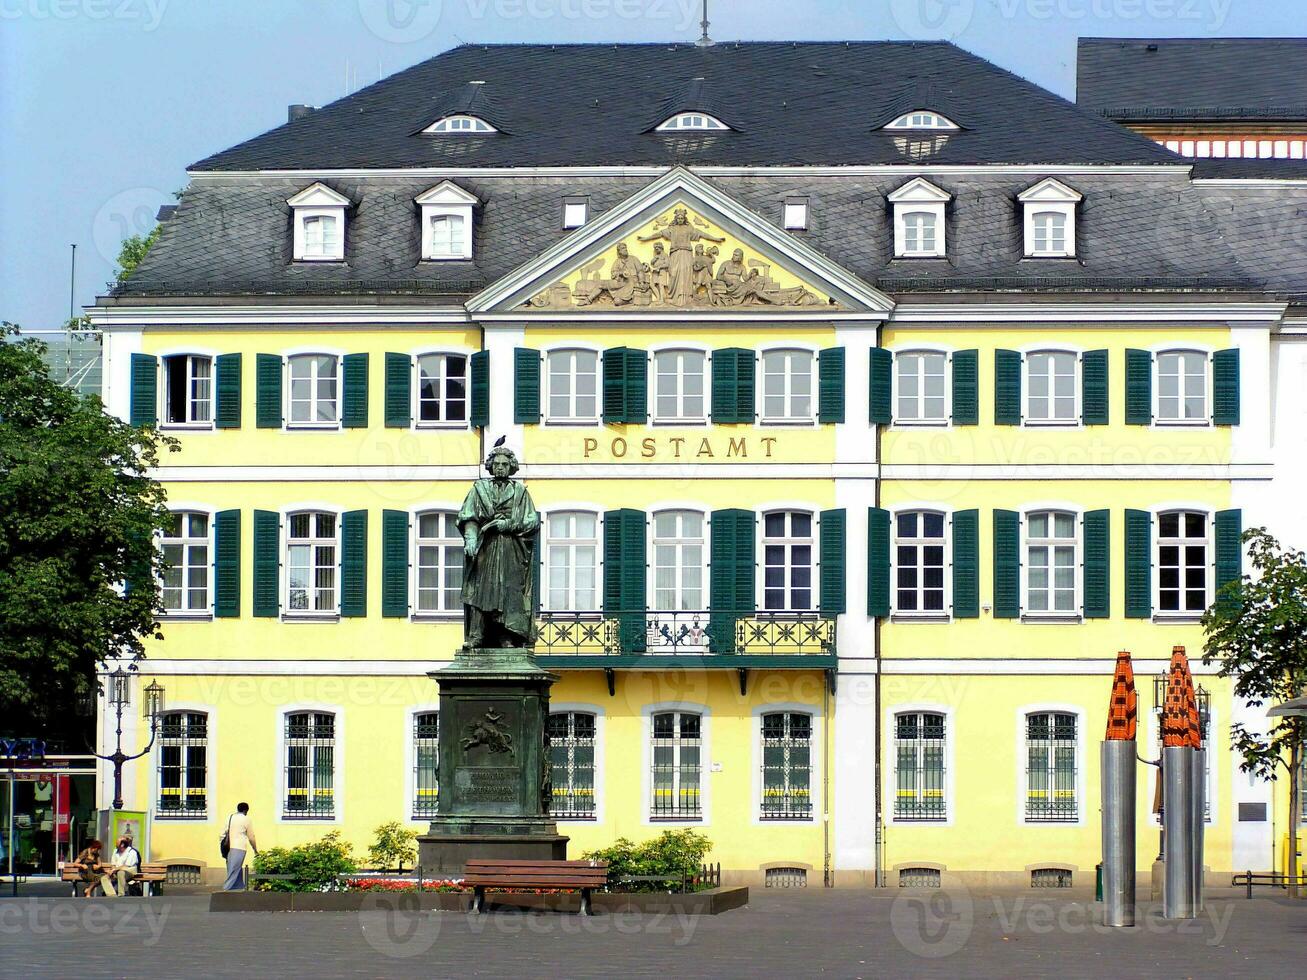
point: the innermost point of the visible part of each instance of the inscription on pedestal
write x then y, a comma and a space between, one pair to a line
485, 784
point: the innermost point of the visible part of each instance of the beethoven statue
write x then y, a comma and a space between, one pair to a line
499, 525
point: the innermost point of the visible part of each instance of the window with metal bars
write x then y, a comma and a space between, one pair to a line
572, 760
1051, 767
183, 765
1204, 699
919, 766
1050, 878
677, 766
919, 878
426, 763
310, 765
786, 766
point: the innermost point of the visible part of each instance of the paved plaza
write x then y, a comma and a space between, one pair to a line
799, 933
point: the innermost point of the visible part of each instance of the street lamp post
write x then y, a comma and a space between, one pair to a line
119, 695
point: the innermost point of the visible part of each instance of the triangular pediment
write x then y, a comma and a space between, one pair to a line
680, 245
318, 195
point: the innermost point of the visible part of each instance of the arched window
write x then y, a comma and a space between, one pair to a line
922, 386
678, 560
1051, 767
679, 386
919, 233
571, 561
310, 776
1051, 389
447, 236
311, 562
572, 762
1183, 569
1182, 386
919, 766
442, 388
922, 119
786, 766
461, 125
183, 764
788, 551
185, 546
314, 390
1052, 562
691, 121
426, 764
439, 563
787, 385
919, 562
677, 766
188, 389
573, 379
321, 237
1049, 229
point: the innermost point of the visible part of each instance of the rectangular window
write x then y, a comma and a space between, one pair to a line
183, 764
310, 766
572, 765
448, 237
677, 766
788, 550
921, 387
919, 562
442, 389
786, 766
573, 377
787, 386
1050, 233
321, 237
439, 563
919, 766
314, 394
1182, 386
1182, 562
311, 563
919, 233
426, 764
185, 546
188, 390
572, 558
1051, 387
1051, 767
679, 386
574, 213
1051, 562
678, 551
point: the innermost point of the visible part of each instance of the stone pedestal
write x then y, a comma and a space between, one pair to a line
494, 763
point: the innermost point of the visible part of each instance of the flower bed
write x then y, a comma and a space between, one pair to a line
404, 885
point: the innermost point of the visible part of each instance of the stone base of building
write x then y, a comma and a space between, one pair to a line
450, 843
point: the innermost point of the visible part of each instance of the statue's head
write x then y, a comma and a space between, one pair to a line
737, 255
502, 462
658, 248
679, 216
621, 250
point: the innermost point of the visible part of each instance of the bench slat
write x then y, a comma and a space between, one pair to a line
507, 881
508, 863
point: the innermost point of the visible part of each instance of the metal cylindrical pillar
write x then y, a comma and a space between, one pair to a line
1198, 794
1118, 775
1177, 818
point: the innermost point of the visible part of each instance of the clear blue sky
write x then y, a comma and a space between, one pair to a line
103, 103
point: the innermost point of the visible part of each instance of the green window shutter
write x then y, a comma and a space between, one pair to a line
966, 564
1138, 564
1093, 387
394, 563
399, 391
1007, 387
880, 386
966, 387
624, 575
227, 371
1007, 564
830, 385
832, 598
637, 387
227, 564
730, 575
1229, 546
1098, 574
267, 392
479, 414
1225, 387
354, 396
1138, 388
878, 523
614, 383
145, 390
732, 385
267, 563
526, 386
354, 563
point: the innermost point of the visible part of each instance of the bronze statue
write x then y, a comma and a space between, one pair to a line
680, 236
499, 525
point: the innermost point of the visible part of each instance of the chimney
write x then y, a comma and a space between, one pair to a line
294, 112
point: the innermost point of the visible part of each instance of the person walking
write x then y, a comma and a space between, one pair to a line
124, 865
240, 838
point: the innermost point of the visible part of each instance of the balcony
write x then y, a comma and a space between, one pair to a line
650, 639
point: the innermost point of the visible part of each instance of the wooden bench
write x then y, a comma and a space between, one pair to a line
147, 877
582, 876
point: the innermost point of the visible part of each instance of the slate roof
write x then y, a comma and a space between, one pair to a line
232, 236
589, 105
1209, 79
1266, 228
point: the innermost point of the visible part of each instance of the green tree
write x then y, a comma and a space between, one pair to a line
133, 251
1257, 631
393, 846
78, 512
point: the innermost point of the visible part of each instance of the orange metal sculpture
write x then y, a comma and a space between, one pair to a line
1123, 712
1180, 724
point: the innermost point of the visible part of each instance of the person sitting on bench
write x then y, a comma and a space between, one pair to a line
124, 865
88, 869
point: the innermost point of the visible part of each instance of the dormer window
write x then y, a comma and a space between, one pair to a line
576, 210
919, 220
319, 224
693, 121
1049, 210
446, 222
461, 125
795, 214
922, 119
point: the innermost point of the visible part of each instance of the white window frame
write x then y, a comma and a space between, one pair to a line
705, 764
288, 385
919, 196
1075, 613
210, 764
1156, 384
693, 121
315, 542
548, 392
416, 408
410, 755
1050, 224
446, 199
547, 543
815, 743
317, 201
460, 124
946, 542
576, 212
1049, 195
417, 543
922, 119
788, 542
1022, 761
795, 213
1209, 561
187, 542
1077, 412
189, 422
947, 417
891, 772
790, 374
706, 397
338, 770
678, 543
597, 711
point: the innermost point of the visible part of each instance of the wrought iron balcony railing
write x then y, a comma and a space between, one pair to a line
685, 633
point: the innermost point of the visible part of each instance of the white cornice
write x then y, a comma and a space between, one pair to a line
1252, 181
1102, 666
1200, 310
136, 317
689, 319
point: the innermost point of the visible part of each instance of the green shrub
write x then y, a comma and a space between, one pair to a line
393, 846
673, 853
312, 867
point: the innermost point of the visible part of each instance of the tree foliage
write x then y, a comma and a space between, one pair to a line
393, 846
78, 512
313, 867
671, 856
133, 250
